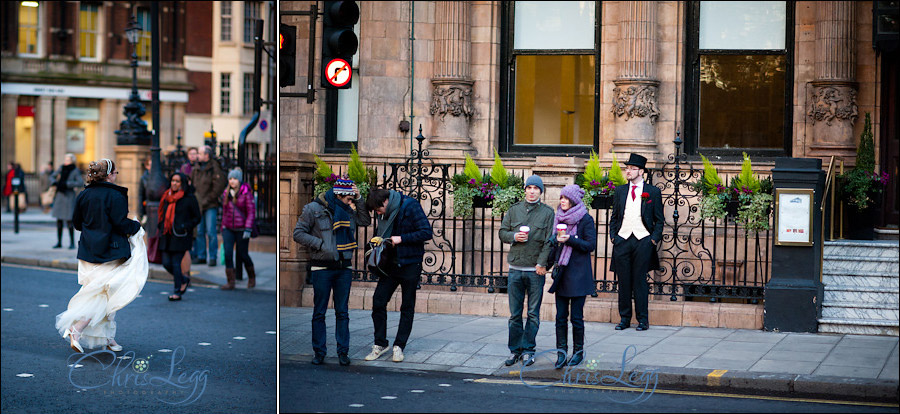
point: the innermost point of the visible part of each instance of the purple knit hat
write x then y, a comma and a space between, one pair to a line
343, 187
573, 192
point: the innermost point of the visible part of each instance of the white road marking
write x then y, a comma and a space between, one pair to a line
271, 332
239, 338
417, 391
204, 344
443, 385
24, 375
164, 350
7, 309
357, 405
389, 397
43, 305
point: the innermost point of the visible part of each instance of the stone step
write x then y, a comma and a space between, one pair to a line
861, 310
873, 280
858, 326
884, 264
888, 296
875, 248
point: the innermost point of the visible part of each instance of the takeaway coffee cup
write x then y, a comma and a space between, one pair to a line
561, 229
524, 229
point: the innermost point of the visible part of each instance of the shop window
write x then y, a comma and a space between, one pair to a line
144, 44
225, 93
89, 31
29, 28
225, 36
551, 53
251, 14
738, 87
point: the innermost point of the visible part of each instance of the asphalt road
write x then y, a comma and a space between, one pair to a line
332, 388
214, 351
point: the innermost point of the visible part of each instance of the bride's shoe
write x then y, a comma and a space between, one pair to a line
70, 333
114, 348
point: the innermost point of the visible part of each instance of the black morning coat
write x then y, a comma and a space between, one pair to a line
101, 215
651, 215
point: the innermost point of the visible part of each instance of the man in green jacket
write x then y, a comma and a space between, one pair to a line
528, 227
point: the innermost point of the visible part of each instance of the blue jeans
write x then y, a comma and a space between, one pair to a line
327, 283
518, 283
206, 232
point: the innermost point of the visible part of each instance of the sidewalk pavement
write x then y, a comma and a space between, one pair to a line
33, 246
718, 359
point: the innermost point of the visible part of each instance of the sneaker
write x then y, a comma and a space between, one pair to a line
377, 352
513, 358
528, 359
398, 354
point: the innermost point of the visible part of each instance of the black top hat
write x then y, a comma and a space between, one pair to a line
637, 161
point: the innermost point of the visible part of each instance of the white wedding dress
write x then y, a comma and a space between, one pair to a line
105, 288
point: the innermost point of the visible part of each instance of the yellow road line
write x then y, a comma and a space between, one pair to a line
713, 379
690, 393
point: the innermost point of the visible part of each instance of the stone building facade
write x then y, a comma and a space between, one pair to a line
545, 83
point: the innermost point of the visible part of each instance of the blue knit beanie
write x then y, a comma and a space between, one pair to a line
536, 181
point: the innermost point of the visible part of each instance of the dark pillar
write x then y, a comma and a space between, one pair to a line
793, 301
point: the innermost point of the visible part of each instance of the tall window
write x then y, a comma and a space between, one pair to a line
549, 101
225, 93
29, 28
248, 93
251, 13
89, 30
738, 95
226, 21
144, 41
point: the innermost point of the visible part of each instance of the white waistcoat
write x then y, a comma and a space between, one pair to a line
631, 221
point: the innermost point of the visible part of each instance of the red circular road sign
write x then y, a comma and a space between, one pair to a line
338, 72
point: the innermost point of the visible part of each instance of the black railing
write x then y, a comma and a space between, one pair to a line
699, 258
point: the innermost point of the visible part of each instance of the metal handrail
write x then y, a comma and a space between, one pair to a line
829, 190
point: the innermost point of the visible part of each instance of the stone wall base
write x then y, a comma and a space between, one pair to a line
601, 309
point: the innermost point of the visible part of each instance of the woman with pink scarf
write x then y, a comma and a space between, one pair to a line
577, 238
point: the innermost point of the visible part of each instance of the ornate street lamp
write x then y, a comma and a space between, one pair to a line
133, 129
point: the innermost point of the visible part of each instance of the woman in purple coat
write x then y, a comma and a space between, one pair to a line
238, 217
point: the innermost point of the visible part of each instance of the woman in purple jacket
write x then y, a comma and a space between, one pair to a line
238, 216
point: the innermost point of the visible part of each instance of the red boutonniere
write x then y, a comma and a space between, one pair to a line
645, 196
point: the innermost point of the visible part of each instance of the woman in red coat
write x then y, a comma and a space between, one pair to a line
238, 217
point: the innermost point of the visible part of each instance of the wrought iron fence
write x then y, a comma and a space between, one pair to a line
699, 258
260, 174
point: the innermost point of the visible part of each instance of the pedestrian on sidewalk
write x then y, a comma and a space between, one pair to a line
14, 171
67, 180
327, 227
210, 182
527, 226
635, 228
46, 173
402, 220
112, 261
577, 239
179, 213
143, 186
238, 219
187, 168
192, 160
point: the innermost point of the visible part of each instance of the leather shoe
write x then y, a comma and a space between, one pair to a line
512, 359
528, 360
560, 360
318, 360
622, 325
642, 327
344, 359
576, 359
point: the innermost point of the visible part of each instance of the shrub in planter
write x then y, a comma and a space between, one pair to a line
597, 186
862, 187
498, 190
713, 193
754, 197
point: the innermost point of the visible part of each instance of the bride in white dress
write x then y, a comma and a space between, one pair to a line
112, 261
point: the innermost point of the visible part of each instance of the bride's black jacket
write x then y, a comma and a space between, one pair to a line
101, 215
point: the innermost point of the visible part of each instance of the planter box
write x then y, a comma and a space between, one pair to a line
602, 201
482, 202
732, 207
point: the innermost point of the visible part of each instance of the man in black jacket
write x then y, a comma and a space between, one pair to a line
402, 221
636, 230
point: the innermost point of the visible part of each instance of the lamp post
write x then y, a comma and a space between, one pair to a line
133, 129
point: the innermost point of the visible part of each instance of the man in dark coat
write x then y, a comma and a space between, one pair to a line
209, 183
636, 230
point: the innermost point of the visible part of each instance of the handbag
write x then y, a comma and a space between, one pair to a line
153, 253
48, 196
381, 258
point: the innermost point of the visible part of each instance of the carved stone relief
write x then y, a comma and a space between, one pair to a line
830, 102
455, 99
635, 101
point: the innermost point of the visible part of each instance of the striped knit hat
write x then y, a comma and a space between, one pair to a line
343, 187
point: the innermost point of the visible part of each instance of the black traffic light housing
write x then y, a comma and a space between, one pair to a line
338, 39
287, 43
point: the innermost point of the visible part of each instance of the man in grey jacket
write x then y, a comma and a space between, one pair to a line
327, 227
528, 227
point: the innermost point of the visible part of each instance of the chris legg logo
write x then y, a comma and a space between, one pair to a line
643, 382
127, 375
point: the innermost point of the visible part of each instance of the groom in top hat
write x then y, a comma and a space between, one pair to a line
636, 230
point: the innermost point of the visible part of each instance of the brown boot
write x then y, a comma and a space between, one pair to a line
229, 273
251, 277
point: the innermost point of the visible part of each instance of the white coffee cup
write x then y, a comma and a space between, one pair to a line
561, 229
524, 229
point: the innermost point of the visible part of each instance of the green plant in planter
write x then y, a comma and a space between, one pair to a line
362, 176
862, 183
594, 181
508, 190
713, 193
615, 174
502, 188
755, 204
324, 177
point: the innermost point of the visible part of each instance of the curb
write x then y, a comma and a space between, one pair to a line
155, 274
695, 379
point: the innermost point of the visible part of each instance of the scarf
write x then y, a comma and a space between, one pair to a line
61, 182
570, 218
342, 213
386, 226
167, 215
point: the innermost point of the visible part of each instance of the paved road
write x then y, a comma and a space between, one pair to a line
332, 388
239, 374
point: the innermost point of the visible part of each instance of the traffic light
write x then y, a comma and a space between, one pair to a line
287, 43
339, 43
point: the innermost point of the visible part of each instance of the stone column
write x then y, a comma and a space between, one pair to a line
832, 105
451, 95
109, 122
635, 97
128, 163
295, 190
60, 103
43, 134
10, 109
